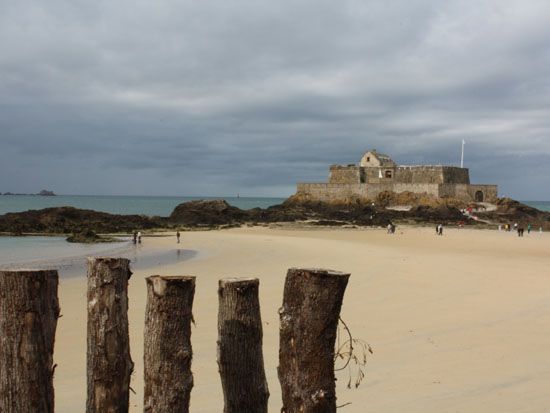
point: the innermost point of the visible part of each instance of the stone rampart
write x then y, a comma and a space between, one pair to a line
340, 174
332, 192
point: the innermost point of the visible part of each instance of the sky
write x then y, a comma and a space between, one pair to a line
216, 98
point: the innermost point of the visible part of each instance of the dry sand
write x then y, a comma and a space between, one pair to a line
459, 323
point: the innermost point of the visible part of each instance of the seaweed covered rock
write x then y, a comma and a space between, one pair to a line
207, 213
440, 213
88, 236
69, 220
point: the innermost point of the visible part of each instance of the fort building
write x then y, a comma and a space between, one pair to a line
377, 172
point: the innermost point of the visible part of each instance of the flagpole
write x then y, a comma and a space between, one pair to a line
462, 156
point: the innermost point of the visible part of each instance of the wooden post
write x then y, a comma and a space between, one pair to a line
108, 358
167, 344
240, 357
29, 309
308, 322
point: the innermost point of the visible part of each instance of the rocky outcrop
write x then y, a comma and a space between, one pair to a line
69, 220
207, 213
218, 213
88, 236
510, 211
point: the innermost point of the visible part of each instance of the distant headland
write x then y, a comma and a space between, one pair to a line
44, 192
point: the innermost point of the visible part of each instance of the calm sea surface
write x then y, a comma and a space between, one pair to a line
70, 259
542, 205
141, 205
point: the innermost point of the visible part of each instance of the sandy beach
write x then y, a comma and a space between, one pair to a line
458, 323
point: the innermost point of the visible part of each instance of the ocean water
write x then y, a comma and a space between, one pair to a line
140, 205
19, 250
542, 205
70, 259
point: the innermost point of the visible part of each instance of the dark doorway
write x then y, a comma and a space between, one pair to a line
479, 196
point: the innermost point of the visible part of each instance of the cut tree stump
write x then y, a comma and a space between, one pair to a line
29, 309
109, 364
308, 322
240, 357
167, 344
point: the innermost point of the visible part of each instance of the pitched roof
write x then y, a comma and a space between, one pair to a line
382, 157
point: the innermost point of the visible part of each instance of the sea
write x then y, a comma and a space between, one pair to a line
128, 205
70, 259
55, 252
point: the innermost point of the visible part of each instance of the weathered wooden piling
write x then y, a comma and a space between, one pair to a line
29, 309
240, 357
167, 344
308, 322
109, 364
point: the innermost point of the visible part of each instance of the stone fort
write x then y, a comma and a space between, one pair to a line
377, 173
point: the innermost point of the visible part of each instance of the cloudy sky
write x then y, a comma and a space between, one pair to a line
172, 97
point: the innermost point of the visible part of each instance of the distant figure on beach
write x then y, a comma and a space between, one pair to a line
139, 237
440, 229
135, 237
500, 227
515, 226
520, 231
178, 236
389, 228
528, 228
540, 230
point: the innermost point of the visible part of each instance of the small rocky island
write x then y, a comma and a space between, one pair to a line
44, 192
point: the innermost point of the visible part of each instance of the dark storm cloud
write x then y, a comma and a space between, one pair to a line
209, 97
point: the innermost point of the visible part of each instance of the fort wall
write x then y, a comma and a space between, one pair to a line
332, 192
432, 174
344, 174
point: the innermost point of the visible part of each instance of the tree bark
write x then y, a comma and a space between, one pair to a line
29, 310
167, 344
240, 357
308, 322
109, 364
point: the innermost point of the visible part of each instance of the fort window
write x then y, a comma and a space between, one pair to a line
479, 196
388, 174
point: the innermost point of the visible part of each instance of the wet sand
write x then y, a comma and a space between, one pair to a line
457, 323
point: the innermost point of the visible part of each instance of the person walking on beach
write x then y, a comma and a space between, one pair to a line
528, 228
178, 235
139, 237
440, 229
135, 238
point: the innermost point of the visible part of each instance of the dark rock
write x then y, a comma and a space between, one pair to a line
67, 220
207, 213
88, 236
510, 210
